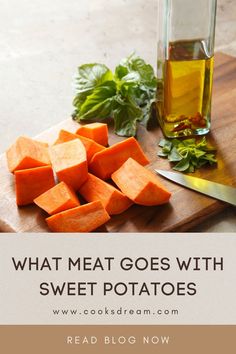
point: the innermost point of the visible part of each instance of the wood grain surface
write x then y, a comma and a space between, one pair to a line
186, 208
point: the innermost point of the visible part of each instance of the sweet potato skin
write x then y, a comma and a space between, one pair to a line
113, 200
27, 153
140, 184
59, 198
69, 162
85, 218
30, 183
105, 162
95, 131
91, 146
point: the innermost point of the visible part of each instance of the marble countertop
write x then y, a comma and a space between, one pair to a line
43, 42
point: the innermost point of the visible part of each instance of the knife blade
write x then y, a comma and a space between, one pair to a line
215, 190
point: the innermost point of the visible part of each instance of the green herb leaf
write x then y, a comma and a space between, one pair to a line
138, 65
128, 96
149, 118
91, 76
135, 71
211, 158
174, 155
167, 146
99, 104
182, 165
120, 72
162, 142
189, 154
88, 78
162, 154
126, 114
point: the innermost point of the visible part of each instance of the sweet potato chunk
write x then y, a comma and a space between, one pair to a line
69, 162
112, 199
59, 198
27, 153
95, 131
30, 183
140, 184
105, 162
84, 218
91, 146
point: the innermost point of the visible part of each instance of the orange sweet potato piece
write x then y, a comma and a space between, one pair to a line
65, 136
27, 153
140, 184
114, 201
69, 161
91, 146
59, 198
30, 183
95, 131
84, 218
107, 161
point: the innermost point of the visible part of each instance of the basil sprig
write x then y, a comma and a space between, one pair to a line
127, 95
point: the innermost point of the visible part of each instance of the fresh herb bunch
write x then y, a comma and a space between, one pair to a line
187, 154
127, 95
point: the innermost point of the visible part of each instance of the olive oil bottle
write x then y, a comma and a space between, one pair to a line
184, 104
186, 32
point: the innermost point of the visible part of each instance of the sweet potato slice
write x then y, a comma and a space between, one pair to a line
84, 218
95, 131
27, 153
69, 162
140, 184
59, 198
30, 183
114, 201
105, 162
91, 146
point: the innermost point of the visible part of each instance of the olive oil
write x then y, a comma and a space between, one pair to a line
184, 93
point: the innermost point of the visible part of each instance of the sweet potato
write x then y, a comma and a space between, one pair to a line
30, 183
65, 136
112, 199
91, 146
95, 131
84, 218
140, 184
105, 162
59, 198
27, 153
69, 162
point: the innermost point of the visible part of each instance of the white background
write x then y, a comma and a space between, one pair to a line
21, 302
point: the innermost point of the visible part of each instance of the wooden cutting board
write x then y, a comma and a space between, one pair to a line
186, 208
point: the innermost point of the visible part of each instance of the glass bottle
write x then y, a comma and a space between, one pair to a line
186, 34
